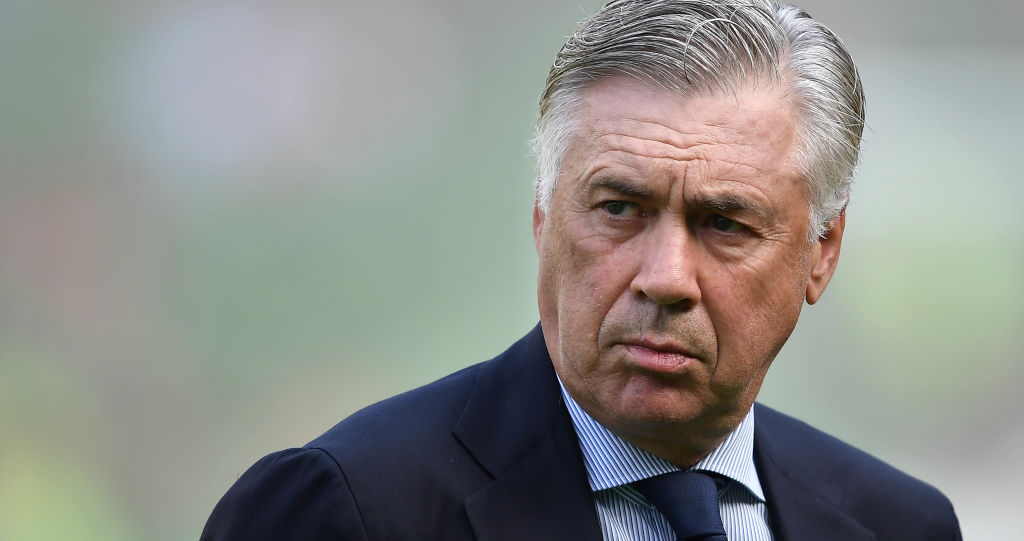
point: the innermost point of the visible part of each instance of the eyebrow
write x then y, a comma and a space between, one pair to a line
728, 202
718, 202
621, 186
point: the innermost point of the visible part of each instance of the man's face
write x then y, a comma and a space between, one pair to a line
674, 258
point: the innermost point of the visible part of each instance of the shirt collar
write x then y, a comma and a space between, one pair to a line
612, 461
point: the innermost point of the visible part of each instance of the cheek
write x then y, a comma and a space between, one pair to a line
588, 289
775, 277
754, 308
594, 270
593, 277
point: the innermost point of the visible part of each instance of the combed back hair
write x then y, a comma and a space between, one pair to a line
704, 47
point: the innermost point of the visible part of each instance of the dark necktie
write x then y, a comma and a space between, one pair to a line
689, 500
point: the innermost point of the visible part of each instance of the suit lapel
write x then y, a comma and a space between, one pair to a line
798, 509
535, 499
516, 426
797, 514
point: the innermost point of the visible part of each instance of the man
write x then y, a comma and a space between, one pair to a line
694, 163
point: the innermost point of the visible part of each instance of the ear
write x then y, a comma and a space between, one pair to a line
824, 257
538, 224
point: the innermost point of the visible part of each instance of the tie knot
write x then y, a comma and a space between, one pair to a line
689, 501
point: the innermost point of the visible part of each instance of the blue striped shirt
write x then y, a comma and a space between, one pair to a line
625, 515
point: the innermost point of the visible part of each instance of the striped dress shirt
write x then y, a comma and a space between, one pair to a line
625, 515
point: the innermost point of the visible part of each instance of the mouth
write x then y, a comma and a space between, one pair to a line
660, 357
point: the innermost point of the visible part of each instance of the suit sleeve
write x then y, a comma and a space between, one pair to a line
291, 494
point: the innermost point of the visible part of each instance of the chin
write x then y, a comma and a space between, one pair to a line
664, 409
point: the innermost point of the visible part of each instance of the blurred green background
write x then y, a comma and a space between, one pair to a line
225, 226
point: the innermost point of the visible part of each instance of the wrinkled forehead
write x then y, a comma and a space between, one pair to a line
755, 122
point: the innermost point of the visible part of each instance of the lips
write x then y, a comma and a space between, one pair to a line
658, 356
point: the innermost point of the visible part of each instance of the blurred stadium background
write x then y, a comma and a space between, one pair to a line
226, 225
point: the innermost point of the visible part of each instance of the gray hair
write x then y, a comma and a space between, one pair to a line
694, 47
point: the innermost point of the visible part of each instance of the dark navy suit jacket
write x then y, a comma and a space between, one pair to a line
489, 453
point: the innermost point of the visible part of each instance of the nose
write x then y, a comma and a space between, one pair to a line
667, 271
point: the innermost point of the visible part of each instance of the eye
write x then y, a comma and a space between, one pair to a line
623, 209
725, 225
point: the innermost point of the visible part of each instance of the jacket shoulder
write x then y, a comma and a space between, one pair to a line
405, 467
382, 462
290, 494
888, 501
396, 423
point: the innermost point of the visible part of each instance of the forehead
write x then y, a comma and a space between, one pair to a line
752, 132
